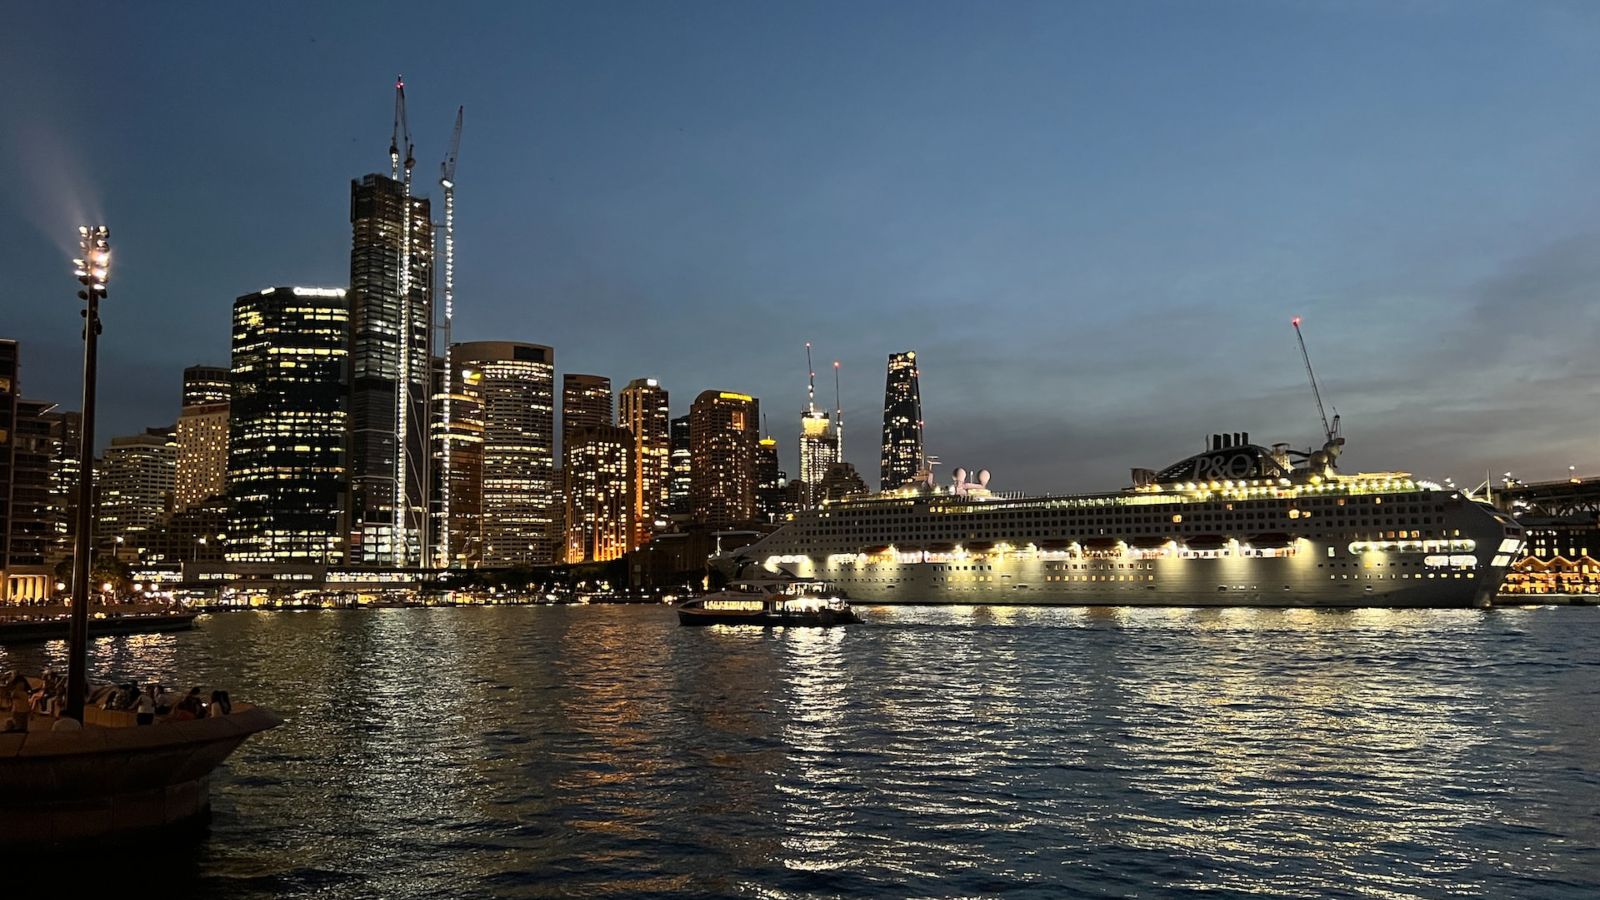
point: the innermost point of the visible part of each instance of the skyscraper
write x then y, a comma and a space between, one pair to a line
65, 439
286, 434
458, 464
515, 385
26, 450
644, 412
819, 449
10, 396
769, 482
390, 346
205, 385
585, 402
597, 470
902, 421
680, 464
202, 454
134, 487
722, 439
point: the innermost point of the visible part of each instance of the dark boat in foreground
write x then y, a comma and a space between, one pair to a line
769, 603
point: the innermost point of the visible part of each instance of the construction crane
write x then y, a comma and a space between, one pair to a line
1330, 432
447, 181
838, 409
401, 526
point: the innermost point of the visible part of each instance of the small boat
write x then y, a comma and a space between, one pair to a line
768, 603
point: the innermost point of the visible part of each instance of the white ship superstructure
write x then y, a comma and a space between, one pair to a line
1236, 525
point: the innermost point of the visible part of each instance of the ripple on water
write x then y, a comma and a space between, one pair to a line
940, 752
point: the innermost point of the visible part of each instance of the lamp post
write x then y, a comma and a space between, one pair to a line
93, 270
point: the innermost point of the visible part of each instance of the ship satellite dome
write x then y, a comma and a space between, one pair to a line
961, 476
983, 478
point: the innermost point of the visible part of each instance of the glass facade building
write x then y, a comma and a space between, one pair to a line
287, 430
902, 422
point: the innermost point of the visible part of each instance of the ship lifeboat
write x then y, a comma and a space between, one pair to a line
874, 549
941, 548
1272, 540
1100, 544
1147, 542
980, 546
1055, 545
1206, 542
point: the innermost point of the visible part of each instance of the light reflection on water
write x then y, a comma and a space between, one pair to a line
934, 751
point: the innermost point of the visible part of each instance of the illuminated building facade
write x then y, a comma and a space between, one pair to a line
819, 449
206, 386
598, 498
902, 422
202, 434
65, 440
644, 412
723, 441
514, 385
458, 533
390, 362
26, 451
769, 482
680, 466
585, 403
134, 488
287, 429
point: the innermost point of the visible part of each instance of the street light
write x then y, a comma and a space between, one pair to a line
93, 271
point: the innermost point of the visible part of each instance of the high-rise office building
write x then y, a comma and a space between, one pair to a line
202, 454
65, 443
390, 362
206, 385
585, 402
597, 468
645, 413
819, 449
26, 451
722, 439
902, 422
769, 482
514, 384
287, 430
680, 465
134, 486
458, 464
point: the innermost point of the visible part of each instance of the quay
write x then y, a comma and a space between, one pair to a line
52, 623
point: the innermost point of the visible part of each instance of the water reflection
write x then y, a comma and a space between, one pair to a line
939, 751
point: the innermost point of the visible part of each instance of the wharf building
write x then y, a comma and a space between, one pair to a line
511, 520
134, 490
598, 467
723, 444
680, 467
287, 432
390, 364
26, 451
902, 422
645, 413
202, 434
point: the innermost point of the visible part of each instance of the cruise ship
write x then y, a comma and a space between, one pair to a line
1238, 524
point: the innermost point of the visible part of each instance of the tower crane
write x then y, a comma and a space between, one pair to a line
1330, 431
447, 181
401, 526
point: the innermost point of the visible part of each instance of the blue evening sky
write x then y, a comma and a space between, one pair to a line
1093, 221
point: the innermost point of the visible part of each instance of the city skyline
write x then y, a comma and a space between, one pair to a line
1097, 223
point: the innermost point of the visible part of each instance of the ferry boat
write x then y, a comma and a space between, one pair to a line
1238, 524
769, 602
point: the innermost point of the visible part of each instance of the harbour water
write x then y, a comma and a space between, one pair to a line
943, 751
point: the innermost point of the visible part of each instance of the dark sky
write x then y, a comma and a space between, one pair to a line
1093, 221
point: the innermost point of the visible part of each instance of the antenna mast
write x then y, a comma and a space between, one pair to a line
1331, 432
